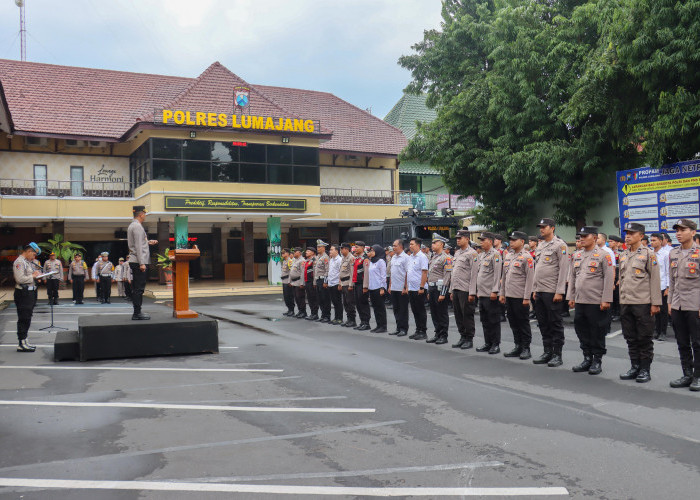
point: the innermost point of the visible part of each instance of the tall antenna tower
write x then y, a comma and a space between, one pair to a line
22, 30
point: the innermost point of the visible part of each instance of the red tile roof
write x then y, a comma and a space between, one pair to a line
71, 101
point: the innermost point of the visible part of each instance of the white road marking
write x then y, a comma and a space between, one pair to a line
613, 334
155, 406
227, 347
347, 473
138, 369
74, 484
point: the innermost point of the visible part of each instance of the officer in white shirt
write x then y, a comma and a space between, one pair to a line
661, 319
399, 288
333, 282
417, 281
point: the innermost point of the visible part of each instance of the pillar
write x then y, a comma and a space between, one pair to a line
274, 251
248, 249
217, 253
333, 233
59, 227
163, 231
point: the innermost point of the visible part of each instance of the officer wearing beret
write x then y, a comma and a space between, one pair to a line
684, 302
346, 285
439, 273
139, 259
640, 300
296, 279
464, 269
25, 272
515, 293
321, 277
53, 265
287, 290
590, 291
551, 271
486, 288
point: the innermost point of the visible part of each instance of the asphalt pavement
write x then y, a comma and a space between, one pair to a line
297, 409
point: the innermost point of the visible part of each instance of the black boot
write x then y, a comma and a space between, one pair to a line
644, 374
442, 339
526, 353
585, 364
468, 344
25, 346
495, 349
350, 324
459, 343
632, 372
313, 317
695, 384
544, 359
483, 348
420, 336
514, 353
596, 365
433, 340
556, 358
685, 380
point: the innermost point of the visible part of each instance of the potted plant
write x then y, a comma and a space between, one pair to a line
64, 250
166, 267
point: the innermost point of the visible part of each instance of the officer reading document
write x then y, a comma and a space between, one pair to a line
25, 272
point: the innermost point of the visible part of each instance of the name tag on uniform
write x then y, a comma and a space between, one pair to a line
487, 263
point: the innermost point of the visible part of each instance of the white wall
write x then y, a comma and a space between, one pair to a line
356, 178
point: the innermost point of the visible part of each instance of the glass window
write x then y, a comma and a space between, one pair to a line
166, 170
305, 156
306, 175
76, 181
196, 150
279, 154
252, 173
225, 172
197, 170
40, 180
279, 174
167, 149
224, 151
253, 153
409, 182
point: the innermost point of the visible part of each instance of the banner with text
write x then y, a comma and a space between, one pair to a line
234, 204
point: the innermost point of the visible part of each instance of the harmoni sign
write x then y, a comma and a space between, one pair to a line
234, 204
240, 122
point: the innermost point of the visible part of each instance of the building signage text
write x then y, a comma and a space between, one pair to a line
106, 175
240, 122
233, 204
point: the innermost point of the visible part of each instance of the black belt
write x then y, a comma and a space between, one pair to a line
26, 287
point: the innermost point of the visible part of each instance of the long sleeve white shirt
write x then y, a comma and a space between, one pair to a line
377, 274
662, 259
334, 270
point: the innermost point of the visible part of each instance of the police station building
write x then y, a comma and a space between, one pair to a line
253, 167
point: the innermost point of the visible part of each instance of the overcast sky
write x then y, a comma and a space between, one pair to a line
347, 47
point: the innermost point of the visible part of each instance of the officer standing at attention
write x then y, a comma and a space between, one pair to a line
616, 247
296, 280
389, 252
640, 300
360, 269
684, 303
321, 277
551, 272
333, 283
515, 293
139, 258
287, 290
346, 286
104, 276
590, 292
398, 288
417, 278
127, 277
53, 281
119, 277
486, 287
76, 275
310, 283
25, 271
464, 269
93, 271
439, 272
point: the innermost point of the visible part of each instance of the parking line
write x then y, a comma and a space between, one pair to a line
74, 484
138, 369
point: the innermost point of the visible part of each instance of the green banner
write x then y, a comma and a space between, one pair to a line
234, 204
181, 232
274, 251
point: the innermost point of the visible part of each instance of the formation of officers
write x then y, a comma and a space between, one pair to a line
344, 281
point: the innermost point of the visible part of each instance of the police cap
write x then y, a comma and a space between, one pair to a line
313, 249
615, 237
518, 235
321, 243
533, 238
360, 243
346, 245
33, 246
437, 237
462, 233
136, 209
546, 222
635, 227
685, 223
487, 235
587, 230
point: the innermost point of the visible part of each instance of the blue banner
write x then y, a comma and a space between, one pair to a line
658, 197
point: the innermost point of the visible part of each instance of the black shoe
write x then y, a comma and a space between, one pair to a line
81, 302
484, 348
584, 366
616, 318
395, 332
460, 343
495, 349
544, 359
432, 340
526, 353
632, 373
313, 317
661, 338
299, 315
514, 353
325, 320
380, 330
413, 337
503, 319
643, 376
684, 381
363, 327
337, 322
420, 336
596, 366
374, 330
140, 316
402, 333
286, 313
350, 324
25, 346
555, 360
468, 344
695, 384
441, 340
532, 315
108, 301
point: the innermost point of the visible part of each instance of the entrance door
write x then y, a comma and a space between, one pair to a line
40, 180
76, 181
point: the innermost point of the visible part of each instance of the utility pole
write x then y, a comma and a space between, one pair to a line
22, 30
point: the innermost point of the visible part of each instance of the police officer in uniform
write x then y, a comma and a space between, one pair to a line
321, 277
464, 269
684, 303
439, 271
296, 279
76, 275
53, 281
590, 292
361, 268
310, 283
640, 300
25, 271
616, 246
139, 259
551, 272
346, 285
486, 287
287, 290
515, 293
104, 275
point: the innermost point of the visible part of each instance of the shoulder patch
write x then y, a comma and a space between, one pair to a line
496, 259
609, 259
563, 249
654, 262
476, 257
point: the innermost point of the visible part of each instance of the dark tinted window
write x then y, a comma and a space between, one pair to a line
166, 148
196, 150
252, 173
305, 156
225, 172
224, 151
279, 174
279, 154
253, 153
166, 170
197, 170
306, 176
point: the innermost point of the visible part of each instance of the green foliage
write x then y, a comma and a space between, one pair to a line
164, 262
543, 100
64, 250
